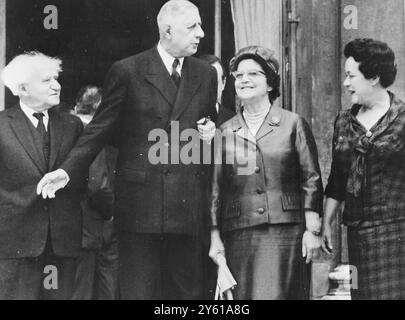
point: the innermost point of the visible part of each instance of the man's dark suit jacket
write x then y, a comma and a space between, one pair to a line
24, 216
224, 114
140, 96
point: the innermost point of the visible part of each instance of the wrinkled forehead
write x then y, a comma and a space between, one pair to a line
187, 16
42, 71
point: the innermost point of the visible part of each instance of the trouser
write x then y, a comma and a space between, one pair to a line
47, 277
154, 266
97, 273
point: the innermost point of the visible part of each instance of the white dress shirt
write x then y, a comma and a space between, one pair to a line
30, 115
168, 59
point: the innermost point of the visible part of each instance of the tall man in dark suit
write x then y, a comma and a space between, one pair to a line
159, 206
39, 239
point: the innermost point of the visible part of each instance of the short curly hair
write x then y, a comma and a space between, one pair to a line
376, 59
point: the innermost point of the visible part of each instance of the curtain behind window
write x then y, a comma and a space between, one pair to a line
257, 22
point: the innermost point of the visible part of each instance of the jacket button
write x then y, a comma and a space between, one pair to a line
260, 211
257, 170
167, 144
259, 191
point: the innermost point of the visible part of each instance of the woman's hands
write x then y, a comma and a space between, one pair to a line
327, 238
311, 240
310, 246
216, 247
332, 206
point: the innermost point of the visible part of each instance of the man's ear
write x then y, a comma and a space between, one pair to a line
167, 31
22, 88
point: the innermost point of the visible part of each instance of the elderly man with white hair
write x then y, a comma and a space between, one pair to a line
39, 239
159, 207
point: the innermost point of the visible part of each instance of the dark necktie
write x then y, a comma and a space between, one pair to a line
43, 134
41, 127
175, 75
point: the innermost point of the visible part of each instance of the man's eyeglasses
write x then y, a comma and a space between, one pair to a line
251, 74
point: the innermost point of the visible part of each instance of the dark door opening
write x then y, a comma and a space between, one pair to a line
92, 34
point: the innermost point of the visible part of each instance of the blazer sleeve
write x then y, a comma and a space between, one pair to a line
310, 173
98, 132
335, 188
216, 190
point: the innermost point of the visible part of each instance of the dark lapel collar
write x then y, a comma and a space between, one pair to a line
241, 129
19, 125
272, 121
190, 82
158, 76
56, 131
392, 114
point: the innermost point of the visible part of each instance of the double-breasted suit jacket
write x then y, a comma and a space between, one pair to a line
267, 179
139, 99
25, 218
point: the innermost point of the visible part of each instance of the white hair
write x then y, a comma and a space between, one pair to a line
170, 11
21, 69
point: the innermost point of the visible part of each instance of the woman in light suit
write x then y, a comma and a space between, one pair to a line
266, 196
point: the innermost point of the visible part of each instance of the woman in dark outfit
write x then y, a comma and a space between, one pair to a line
268, 210
368, 173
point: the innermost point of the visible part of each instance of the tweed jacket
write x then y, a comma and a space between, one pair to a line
140, 99
25, 218
268, 179
368, 167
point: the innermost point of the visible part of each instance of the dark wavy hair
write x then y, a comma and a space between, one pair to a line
266, 59
376, 59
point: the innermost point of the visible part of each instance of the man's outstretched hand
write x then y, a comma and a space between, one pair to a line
52, 182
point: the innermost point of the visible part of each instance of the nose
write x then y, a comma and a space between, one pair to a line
245, 77
200, 32
346, 83
55, 85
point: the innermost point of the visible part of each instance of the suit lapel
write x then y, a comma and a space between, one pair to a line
391, 115
271, 122
19, 125
241, 129
56, 130
158, 77
190, 82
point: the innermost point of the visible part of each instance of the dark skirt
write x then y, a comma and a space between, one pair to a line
377, 259
267, 262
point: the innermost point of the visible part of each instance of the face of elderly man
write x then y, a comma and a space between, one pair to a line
185, 32
42, 92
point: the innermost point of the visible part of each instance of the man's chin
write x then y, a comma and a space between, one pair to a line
53, 103
192, 51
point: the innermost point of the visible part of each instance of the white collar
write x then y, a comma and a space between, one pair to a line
168, 59
29, 113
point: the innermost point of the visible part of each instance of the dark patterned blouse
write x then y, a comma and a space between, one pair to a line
368, 167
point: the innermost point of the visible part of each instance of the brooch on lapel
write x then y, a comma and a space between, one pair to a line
274, 121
